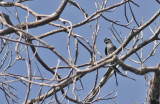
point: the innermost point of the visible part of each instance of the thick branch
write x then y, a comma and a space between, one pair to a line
139, 71
154, 89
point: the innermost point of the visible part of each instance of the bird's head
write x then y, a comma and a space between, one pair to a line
107, 40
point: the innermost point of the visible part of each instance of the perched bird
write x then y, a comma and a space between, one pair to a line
110, 48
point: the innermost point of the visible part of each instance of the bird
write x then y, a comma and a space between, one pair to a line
109, 49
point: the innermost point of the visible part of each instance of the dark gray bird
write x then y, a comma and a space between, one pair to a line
110, 48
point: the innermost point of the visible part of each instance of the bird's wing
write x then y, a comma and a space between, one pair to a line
115, 48
106, 51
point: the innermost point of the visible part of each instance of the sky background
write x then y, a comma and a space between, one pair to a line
129, 91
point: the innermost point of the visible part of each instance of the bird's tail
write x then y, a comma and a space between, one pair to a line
116, 70
116, 77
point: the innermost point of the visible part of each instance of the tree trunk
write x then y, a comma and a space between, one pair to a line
154, 89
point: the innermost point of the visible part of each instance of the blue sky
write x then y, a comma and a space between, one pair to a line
129, 91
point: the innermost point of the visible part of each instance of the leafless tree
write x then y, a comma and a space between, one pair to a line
55, 79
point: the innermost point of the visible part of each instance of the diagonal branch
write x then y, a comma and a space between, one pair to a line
41, 22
